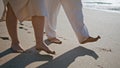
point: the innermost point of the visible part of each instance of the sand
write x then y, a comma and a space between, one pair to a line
70, 54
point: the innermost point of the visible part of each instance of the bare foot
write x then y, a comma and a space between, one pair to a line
55, 40
44, 48
91, 39
16, 48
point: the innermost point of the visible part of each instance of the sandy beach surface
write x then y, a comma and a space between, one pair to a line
70, 54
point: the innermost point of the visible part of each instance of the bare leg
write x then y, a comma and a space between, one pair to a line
11, 23
38, 25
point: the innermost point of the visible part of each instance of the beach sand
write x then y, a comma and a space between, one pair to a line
70, 54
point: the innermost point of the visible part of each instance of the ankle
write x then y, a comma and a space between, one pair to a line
39, 45
15, 43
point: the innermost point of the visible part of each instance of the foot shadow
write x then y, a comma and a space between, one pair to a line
2, 20
4, 38
67, 58
24, 59
47, 42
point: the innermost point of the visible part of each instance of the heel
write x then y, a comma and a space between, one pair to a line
47, 51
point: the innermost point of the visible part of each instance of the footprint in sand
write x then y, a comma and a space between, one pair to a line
20, 27
4, 38
26, 25
106, 50
1, 20
99, 66
62, 38
28, 32
23, 28
21, 24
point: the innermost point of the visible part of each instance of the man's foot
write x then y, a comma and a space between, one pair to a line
43, 47
16, 48
55, 40
91, 39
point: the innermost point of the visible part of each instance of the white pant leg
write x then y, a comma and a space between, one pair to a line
73, 10
51, 22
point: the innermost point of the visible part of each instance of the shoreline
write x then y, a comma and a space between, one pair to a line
103, 10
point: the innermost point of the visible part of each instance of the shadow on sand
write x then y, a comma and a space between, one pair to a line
62, 61
67, 58
24, 59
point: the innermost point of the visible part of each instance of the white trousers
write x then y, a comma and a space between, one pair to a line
73, 10
53, 7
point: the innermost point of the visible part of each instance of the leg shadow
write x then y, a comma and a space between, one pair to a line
24, 59
6, 52
67, 58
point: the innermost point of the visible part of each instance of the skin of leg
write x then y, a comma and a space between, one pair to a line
38, 25
11, 23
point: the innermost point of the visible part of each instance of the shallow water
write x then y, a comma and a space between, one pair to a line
107, 5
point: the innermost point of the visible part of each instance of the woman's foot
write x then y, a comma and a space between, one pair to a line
91, 39
16, 48
55, 40
44, 48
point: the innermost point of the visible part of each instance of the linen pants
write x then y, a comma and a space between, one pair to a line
53, 7
73, 10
